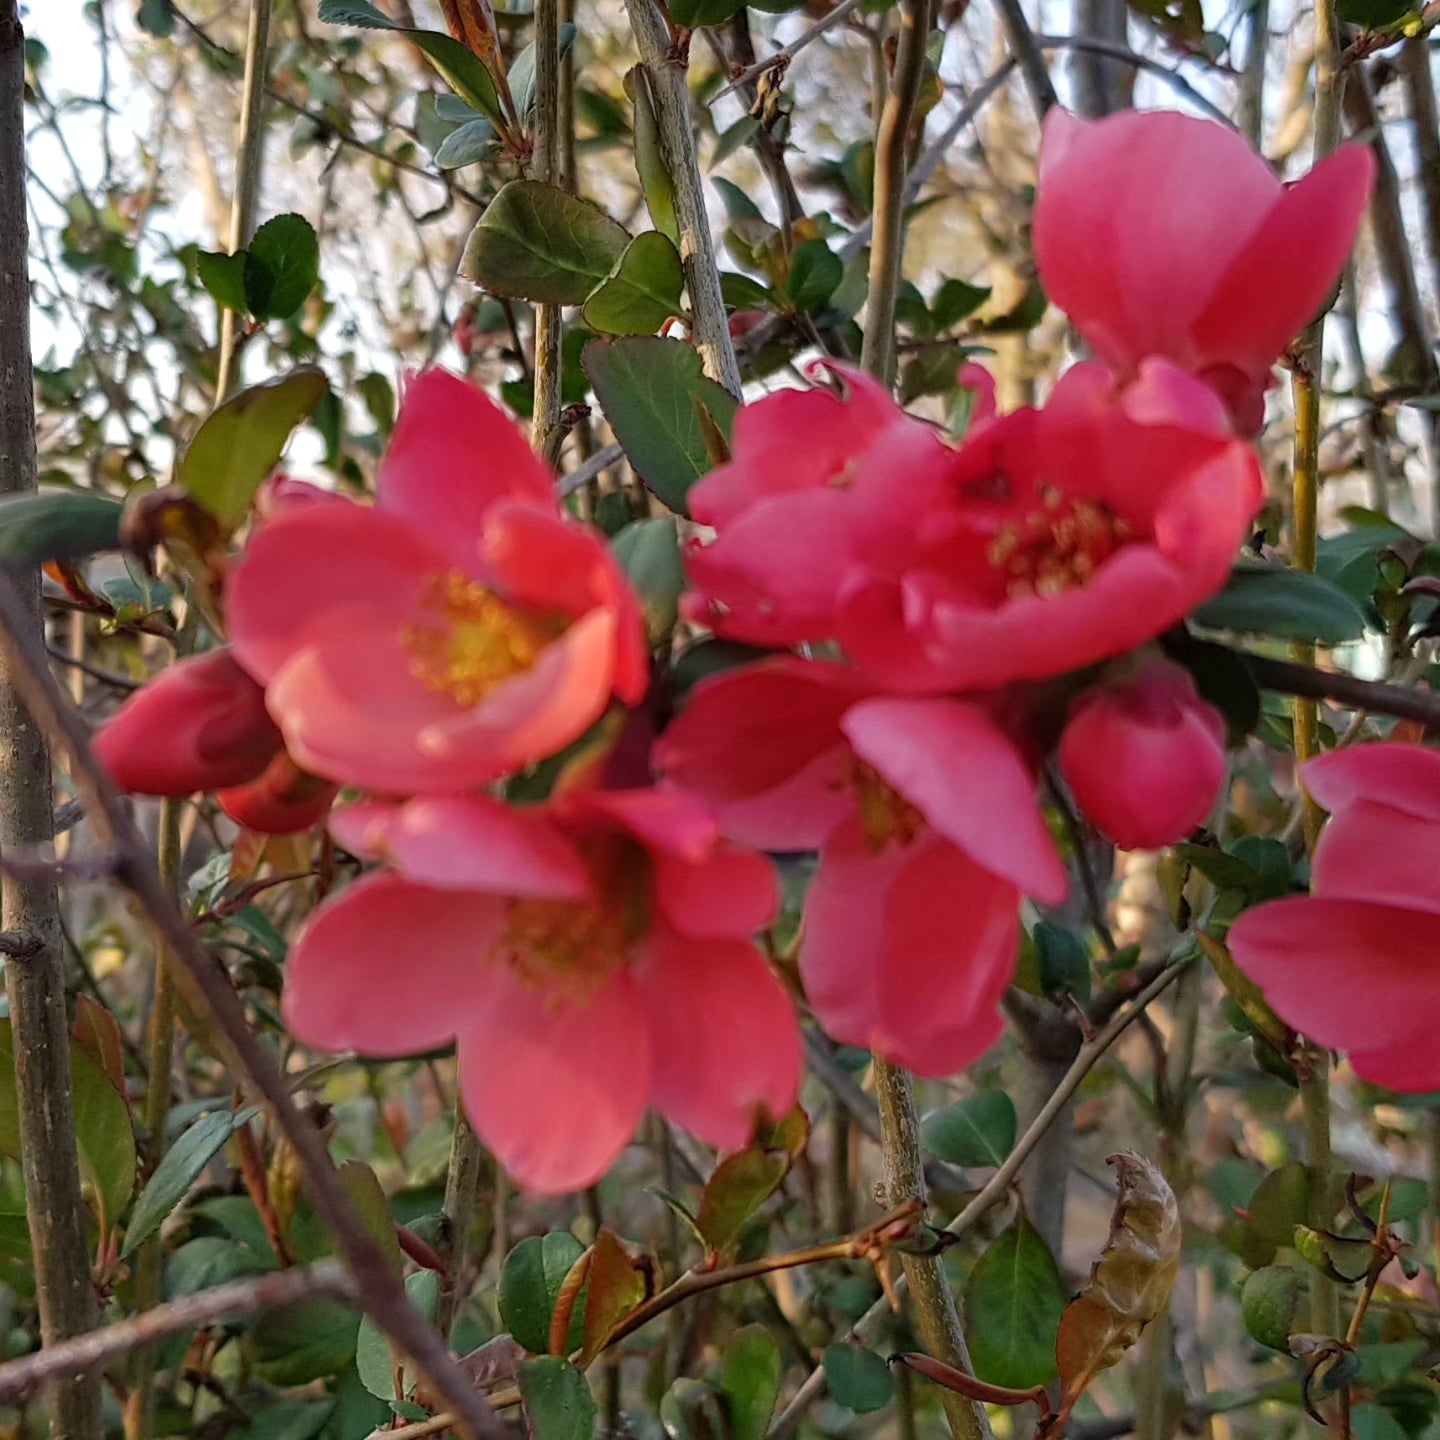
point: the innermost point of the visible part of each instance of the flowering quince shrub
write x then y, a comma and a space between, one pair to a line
736, 868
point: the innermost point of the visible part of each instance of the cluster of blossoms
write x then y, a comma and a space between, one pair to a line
945, 617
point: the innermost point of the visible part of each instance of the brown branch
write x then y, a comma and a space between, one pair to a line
205, 985
1285, 677
892, 146
1028, 56
30, 906
87, 1352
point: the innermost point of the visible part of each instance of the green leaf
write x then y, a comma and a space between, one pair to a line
1280, 1204
730, 140
368, 1196
741, 1184
287, 1420
655, 182
693, 14
1374, 14
177, 1171
298, 1344
156, 17
521, 75
58, 525
223, 277
815, 274
649, 554
979, 1130
1269, 1302
858, 1378
237, 446
641, 292
530, 1282
955, 301
1375, 1422
557, 1399
651, 391
469, 144
535, 242
1064, 964
750, 1381
458, 65
374, 1358
281, 267
1013, 1303
1289, 604
103, 1132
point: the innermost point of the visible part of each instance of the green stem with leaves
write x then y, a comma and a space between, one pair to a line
544, 434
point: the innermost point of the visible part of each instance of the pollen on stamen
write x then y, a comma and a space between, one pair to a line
467, 640
1057, 547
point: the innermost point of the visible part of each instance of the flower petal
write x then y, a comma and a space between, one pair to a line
454, 453
389, 968
467, 842
299, 569
731, 894
954, 763
1370, 851
1276, 285
1349, 974
726, 1046
1406, 777
557, 1087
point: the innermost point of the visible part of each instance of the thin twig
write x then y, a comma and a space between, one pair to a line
85, 1353
204, 985
249, 156
546, 410
677, 149
999, 1184
786, 53
892, 146
1027, 53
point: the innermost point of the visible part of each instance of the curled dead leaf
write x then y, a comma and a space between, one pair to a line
1130, 1284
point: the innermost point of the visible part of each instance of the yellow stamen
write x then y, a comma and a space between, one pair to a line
468, 640
1057, 547
885, 814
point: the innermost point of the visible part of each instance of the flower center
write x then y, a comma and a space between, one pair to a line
570, 947
1057, 547
885, 814
466, 640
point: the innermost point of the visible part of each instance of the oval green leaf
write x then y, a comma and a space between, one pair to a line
237, 445
652, 392
281, 267
750, 1381
530, 1282
1013, 1303
1289, 604
557, 1399
979, 1130
180, 1168
649, 554
535, 242
641, 292
103, 1132
58, 525
655, 182
858, 1378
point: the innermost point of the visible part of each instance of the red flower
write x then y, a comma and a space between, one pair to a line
591, 959
924, 814
1162, 234
202, 725
1144, 756
1356, 964
457, 632
1067, 535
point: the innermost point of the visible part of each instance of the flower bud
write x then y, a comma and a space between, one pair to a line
201, 725
282, 801
1144, 756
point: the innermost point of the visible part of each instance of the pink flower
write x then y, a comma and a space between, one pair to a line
816, 483
1161, 234
1066, 536
924, 814
591, 959
281, 800
200, 725
1144, 756
458, 631
1356, 964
